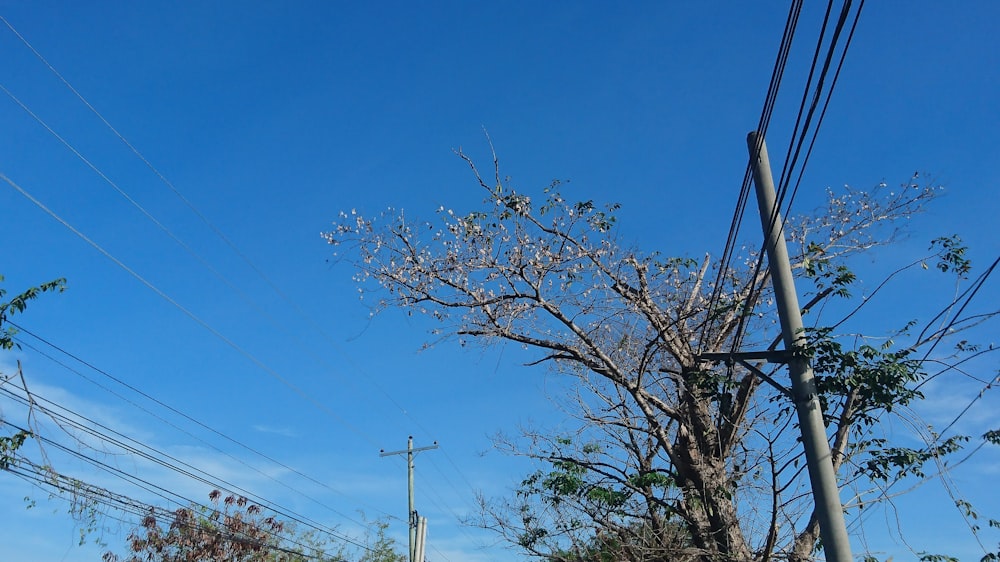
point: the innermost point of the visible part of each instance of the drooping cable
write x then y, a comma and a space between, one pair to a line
798, 137
242, 351
756, 282
46, 479
204, 219
70, 419
777, 73
200, 424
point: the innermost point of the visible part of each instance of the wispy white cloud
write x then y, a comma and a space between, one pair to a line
282, 431
946, 400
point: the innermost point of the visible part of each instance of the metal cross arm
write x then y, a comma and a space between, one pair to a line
742, 359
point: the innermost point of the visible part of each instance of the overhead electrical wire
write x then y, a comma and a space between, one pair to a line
242, 255
800, 132
755, 287
800, 128
120, 191
756, 284
31, 198
132, 403
302, 313
935, 338
931, 438
777, 74
440, 502
141, 157
256, 361
818, 95
70, 419
139, 450
25, 193
45, 479
966, 299
788, 172
265, 503
272, 321
115, 260
160, 225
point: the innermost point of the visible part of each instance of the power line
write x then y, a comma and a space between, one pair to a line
817, 96
966, 298
202, 261
798, 137
138, 154
188, 418
777, 74
315, 325
119, 381
939, 335
151, 218
264, 367
754, 287
201, 216
441, 503
185, 246
789, 162
136, 449
44, 478
930, 438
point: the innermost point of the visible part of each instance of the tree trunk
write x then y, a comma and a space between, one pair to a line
708, 504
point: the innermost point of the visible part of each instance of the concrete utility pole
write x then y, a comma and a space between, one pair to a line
829, 510
413, 518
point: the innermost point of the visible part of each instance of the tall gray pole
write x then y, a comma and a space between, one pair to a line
412, 518
829, 510
412, 512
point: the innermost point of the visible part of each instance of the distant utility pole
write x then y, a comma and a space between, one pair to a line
829, 510
413, 519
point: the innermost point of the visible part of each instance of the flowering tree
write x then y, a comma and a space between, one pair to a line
666, 439
233, 529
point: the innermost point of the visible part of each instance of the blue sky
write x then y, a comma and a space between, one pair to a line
271, 119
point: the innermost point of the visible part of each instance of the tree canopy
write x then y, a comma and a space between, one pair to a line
234, 529
667, 441
230, 528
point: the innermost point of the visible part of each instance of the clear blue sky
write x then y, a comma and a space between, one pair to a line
270, 119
